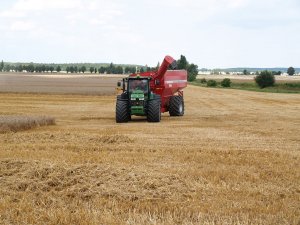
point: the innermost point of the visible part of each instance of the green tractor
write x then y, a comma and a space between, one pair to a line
137, 99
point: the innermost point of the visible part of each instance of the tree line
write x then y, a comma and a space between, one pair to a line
182, 63
111, 68
30, 68
46, 68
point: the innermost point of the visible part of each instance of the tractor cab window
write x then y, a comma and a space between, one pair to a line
138, 85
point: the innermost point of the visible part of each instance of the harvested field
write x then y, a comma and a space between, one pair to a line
10, 123
234, 158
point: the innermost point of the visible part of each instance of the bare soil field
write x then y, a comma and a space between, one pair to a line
234, 158
59, 84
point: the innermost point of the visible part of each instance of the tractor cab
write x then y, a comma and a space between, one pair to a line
135, 84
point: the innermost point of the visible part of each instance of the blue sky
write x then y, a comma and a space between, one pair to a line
212, 34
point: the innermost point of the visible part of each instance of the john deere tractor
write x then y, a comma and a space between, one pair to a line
137, 99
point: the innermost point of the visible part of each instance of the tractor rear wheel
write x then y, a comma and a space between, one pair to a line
176, 106
154, 113
122, 111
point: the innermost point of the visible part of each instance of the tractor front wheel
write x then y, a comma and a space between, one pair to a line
122, 111
154, 113
176, 106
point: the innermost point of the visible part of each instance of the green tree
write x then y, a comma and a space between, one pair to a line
192, 70
13, 68
211, 83
7, 68
30, 68
72, 69
43, 68
58, 69
1, 66
68, 69
118, 70
102, 70
291, 71
203, 81
127, 70
38, 69
182, 63
130, 69
92, 69
19, 68
111, 69
276, 72
83, 69
265, 79
226, 82
246, 72
51, 68
95, 70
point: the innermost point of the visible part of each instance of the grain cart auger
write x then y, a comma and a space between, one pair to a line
152, 93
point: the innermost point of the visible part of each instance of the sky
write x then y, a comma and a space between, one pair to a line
210, 33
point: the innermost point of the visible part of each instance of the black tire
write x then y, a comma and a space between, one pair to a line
176, 106
154, 113
122, 111
122, 96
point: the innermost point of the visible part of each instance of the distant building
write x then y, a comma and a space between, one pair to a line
204, 72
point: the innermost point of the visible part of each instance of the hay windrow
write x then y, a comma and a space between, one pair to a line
15, 123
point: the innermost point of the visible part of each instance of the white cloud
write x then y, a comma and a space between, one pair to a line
202, 8
22, 26
12, 14
42, 5
95, 21
49, 15
25, 8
